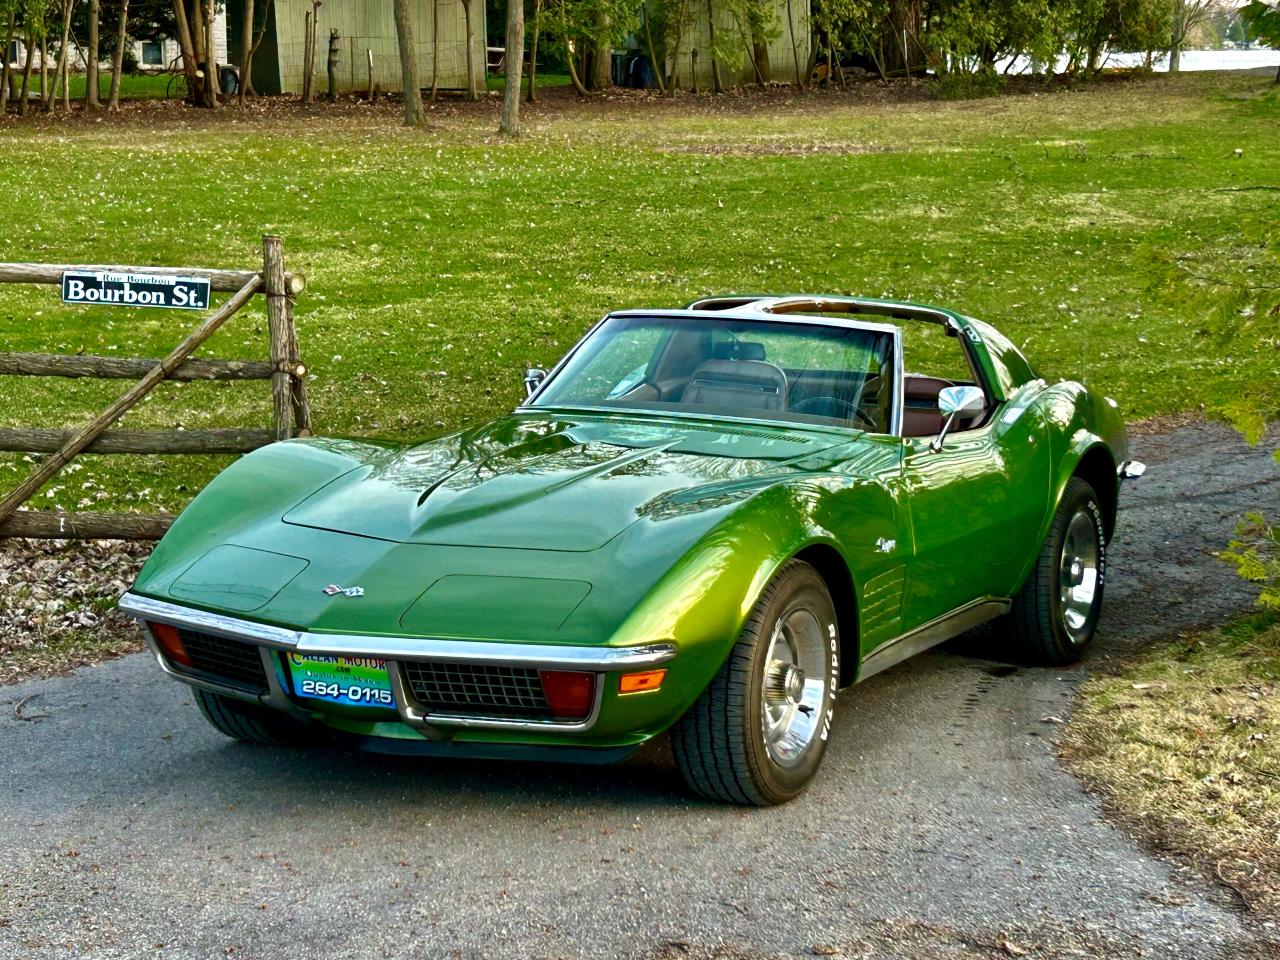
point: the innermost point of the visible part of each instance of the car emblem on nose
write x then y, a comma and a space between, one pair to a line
332, 590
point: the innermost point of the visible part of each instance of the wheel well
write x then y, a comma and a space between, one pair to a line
835, 572
1098, 469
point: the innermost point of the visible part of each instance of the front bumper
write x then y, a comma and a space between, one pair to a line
270, 641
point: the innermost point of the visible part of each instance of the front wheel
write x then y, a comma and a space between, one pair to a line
759, 731
1055, 614
249, 721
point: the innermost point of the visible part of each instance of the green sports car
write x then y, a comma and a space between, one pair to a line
705, 521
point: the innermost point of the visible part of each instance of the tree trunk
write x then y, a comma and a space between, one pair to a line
61, 69
533, 51
331, 64
1175, 57
601, 76
24, 92
653, 60
117, 59
306, 56
246, 49
5, 70
473, 91
435, 47
91, 58
44, 61
510, 121
210, 57
759, 54
186, 43
795, 51
412, 94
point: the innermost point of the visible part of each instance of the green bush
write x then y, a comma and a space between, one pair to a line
1255, 553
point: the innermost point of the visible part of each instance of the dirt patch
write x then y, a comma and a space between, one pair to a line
57, 604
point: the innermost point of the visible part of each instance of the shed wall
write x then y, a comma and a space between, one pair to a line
738, 71
370, 25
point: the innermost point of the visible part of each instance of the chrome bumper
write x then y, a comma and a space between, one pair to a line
435, 726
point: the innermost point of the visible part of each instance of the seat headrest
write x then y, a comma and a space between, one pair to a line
738, 350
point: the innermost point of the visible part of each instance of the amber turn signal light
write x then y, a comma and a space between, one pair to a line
170, 643
569, 694
643, 682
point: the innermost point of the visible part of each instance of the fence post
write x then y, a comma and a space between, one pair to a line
278, 326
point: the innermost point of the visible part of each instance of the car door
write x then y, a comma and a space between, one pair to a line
975, 509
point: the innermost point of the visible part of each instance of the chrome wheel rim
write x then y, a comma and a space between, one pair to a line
1078, 576
794, 687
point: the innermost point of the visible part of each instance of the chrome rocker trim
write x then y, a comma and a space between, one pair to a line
435, 726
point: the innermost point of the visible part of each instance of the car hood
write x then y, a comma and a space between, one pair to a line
553, 483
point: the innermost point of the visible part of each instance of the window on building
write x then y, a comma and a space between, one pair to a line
153, 53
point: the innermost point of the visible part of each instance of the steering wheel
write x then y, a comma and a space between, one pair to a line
835, 407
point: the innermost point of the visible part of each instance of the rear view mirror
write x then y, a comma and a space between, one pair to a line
953, 402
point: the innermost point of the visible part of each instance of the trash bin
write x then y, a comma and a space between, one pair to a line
229, 80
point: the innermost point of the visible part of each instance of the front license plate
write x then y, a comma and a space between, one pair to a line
351, 681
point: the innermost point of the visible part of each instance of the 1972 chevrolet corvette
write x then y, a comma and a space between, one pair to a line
707, 520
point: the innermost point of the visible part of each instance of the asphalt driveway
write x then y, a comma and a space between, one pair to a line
942, 824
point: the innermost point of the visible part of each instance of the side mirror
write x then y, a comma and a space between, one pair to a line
533, 378
956, 402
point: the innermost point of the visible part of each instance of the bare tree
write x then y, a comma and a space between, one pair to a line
187, 38
1187, 15
412, 95
510, 121
91, 58
117, 59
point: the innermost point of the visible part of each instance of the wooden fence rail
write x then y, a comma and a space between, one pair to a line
290, 408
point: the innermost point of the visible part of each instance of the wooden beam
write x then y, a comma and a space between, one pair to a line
86, 525
223, 281
88, 433
276, 289
232, 440
127, 368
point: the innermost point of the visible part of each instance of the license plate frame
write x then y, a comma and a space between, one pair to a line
339, 680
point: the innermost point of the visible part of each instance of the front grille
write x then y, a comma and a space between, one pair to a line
478, 690
231, 661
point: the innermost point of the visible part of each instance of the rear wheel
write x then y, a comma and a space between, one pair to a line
1055, 614
249, 722
759, 731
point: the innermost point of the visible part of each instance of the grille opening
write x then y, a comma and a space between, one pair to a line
472, 689
227, 661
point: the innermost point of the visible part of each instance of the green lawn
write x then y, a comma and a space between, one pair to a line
136, 86
440, 262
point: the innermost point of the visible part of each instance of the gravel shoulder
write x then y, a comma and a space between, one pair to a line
942, 824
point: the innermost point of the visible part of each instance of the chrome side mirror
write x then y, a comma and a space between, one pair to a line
533, 378
956, 402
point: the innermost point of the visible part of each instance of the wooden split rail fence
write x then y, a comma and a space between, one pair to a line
291, 413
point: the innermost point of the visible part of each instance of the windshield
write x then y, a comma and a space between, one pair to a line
786, 371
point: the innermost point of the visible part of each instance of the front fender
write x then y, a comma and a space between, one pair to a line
703, 601
258, 488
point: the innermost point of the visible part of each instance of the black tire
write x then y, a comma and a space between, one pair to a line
1043, 627
249, 722
720, 743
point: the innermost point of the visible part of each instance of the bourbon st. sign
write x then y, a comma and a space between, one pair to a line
135, 290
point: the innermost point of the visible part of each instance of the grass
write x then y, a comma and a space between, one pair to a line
1183, 742
133, 86
440, 262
